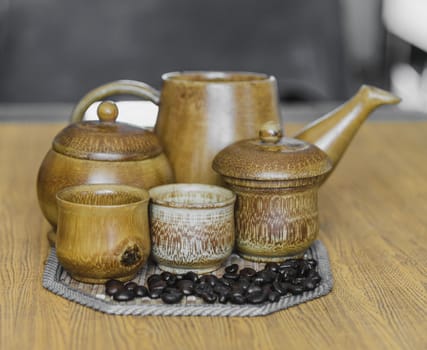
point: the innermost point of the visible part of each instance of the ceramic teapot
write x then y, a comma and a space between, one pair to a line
100, 152
200, 113
276, 179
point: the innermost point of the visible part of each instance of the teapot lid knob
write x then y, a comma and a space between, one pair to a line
270, 132
107, 111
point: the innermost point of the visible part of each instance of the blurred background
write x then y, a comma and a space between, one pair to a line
54, 51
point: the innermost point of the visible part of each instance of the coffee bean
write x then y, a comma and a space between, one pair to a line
131, 286
257, 279
247, 272
210, 279
113, 286
311, 263
288, 274
267, 288
141, 292
232, 268
308, 285
221, 289
298, 280
277, 286
223, 298
272, 266
244, 283
153, 278
314, 276
290, 263
273, 296
202, 288
231, 276
170, 278
185, 286
236, 291
171, 289
191, 276
225, 281
157, 286
254, 288
208, 297
172, 297
296, 289
237, 299
279, 277
257, 298
124, 295
269, 275
263, 277
281, 287
155, 294
304, 268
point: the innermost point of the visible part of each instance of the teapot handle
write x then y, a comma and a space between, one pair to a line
118, 87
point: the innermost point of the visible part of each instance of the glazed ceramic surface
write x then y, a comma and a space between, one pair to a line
97, 152
192, 226
273, 224
103, 231
200, 113
333, 132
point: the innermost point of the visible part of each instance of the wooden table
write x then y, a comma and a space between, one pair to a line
374, 224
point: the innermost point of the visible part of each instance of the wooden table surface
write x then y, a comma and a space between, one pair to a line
373, 222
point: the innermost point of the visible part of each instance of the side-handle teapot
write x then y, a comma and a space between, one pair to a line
200, 113
100, 152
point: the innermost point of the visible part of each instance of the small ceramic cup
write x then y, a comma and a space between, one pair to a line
102, 231
192, 226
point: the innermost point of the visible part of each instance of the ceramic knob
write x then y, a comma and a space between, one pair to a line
270, 132
107, 111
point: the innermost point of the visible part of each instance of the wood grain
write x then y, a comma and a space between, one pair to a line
373, 222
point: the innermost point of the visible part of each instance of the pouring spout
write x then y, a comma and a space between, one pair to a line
333, 132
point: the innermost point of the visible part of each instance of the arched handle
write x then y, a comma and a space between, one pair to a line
118, 87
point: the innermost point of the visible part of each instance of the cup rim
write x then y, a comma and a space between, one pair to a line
216, 77
142, 193
155, 192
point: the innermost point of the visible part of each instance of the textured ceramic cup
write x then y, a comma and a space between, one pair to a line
192, 226
102, 231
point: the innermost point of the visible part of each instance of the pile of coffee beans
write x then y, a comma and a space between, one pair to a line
293, 276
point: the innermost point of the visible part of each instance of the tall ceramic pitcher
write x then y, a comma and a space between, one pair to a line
199, 114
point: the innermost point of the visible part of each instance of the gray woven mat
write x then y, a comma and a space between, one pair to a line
57, 280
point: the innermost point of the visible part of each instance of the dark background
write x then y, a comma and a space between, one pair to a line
57, 50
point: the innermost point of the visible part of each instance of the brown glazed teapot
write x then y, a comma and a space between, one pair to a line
276, 179
202, 112
100, 152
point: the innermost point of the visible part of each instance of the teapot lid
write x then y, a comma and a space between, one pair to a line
106, 139
271, 157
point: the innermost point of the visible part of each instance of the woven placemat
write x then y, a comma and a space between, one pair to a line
58, 281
